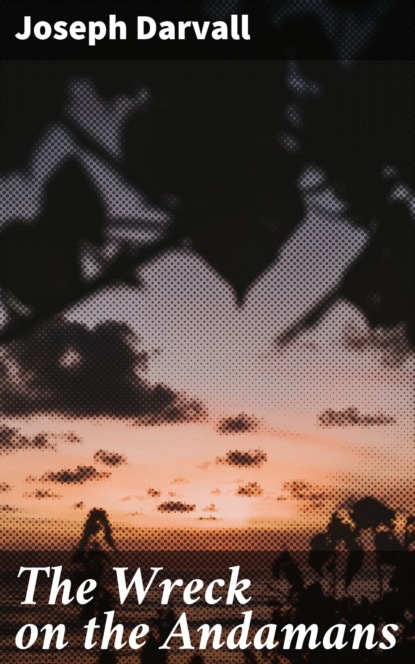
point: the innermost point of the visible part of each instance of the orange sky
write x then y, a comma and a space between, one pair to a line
179, 464
198, 342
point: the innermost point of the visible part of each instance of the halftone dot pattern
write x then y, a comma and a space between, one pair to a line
242, 458
100, 119
242, 423
348, 25
42, 494
170, 344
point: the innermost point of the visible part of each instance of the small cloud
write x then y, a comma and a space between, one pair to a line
242, 423
154, 493
9, 508
78, 475
250, 490
126, 499
205, 465
208, 518
310, 496
241, 459
71, 438
42, 494
181, 410
176, 506
210, 508
11, 440
216, 492
171, 494
79, 506
4, 487
350, 417
180, 480
42, 441
135, 514
113, 459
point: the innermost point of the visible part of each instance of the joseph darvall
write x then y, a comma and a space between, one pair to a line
147, 28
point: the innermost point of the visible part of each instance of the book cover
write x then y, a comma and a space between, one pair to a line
207, 329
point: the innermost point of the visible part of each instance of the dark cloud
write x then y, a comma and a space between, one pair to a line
9, 508
42, 494
108, 377
113, 459
241, 459
208, 518
350, 417
176, 506
154, 493
79, 506
11, 440
78, 475
250, 490
391, 342
4, 487
240, 424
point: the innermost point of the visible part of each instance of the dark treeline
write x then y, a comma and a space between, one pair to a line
359, 570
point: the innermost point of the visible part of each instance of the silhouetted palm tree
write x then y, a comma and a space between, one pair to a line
307, 601
92, 558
